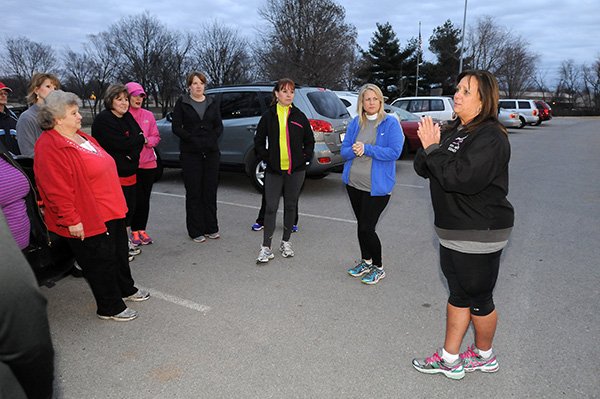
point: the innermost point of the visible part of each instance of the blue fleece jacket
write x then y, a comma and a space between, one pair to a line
385, 152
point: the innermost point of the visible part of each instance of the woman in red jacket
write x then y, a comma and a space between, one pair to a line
83, 200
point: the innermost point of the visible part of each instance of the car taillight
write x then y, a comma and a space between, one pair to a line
514, 116
324, 160
320, 126
535, 112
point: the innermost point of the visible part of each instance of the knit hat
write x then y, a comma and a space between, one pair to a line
135, 89
4, 87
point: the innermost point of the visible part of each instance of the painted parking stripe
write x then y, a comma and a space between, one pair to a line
204, 309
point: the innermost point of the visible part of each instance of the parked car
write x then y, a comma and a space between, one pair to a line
241, 109
408, 121
509, 119
527, 110
440, 107
544, 110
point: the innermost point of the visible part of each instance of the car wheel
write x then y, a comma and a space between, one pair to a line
523, 122
256, 170
317, 177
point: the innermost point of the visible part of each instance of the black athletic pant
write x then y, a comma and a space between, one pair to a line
105, 264
129, 193
261, 213
367, 210
201, 179
275, 185
143, 187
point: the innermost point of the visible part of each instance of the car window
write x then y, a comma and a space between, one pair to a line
436, 105
327, 104
402, 104
346, 102
418, 106
508, 104
524, 105
404, 115
236, 105
266, 98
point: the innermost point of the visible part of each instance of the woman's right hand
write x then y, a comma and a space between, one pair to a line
428, 132
76, 231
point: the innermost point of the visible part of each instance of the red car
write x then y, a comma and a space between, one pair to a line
410, 124
545, 112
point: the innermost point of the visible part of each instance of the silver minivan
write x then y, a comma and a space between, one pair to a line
440, 107
241, 109
527, 110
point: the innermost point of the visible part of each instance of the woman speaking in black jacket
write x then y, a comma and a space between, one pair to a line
197, 122
285, 142
467, 168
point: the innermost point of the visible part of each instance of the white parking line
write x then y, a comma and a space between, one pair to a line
257, 207
204, 309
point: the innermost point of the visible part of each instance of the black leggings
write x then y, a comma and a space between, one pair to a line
471, 279
367, 210
275, 184
145, 180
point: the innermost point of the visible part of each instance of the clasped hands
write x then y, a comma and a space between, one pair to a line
358, 148
428, 132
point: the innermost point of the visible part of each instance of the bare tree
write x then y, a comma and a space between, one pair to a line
78, 71
570, 83
104, 58
486, 44
307, 40
222, 53
517, 69
24, 57
591, 78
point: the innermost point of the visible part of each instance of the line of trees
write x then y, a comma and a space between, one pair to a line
307, 40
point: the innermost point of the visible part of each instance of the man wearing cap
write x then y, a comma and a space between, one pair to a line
8, 122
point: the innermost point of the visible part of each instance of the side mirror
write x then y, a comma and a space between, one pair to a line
169, 116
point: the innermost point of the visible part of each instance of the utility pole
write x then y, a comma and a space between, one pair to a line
462, 40
418, 62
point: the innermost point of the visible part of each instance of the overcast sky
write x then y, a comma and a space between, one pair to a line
557, 30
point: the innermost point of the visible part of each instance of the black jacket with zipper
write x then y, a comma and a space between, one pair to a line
197, 135
302, 140
468, 174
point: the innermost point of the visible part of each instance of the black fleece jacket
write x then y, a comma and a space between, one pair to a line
468, 174
122, 138
197, 135
302, 139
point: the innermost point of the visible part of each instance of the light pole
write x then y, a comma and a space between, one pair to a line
462, 40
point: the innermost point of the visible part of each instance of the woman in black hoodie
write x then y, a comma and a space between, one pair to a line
467, 168
197, 122
285, 142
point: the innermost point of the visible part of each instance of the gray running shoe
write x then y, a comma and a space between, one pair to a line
126, 315
199, 239
264, 255
138, 296
436, 365
472, 360
213, 236
286, 249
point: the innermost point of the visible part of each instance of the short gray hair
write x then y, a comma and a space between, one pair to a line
55, 106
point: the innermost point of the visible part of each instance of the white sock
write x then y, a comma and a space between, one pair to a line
485, 354
368, 261
448, 357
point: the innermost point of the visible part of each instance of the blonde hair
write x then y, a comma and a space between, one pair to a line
37, 80
362, 115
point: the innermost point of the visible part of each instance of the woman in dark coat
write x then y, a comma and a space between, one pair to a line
197, 123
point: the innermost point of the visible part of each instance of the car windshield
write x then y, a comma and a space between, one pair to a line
327, 104
404, 115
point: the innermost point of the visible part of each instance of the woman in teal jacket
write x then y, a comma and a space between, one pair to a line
371, 147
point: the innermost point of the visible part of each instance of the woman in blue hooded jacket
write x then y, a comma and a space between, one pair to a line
372, 144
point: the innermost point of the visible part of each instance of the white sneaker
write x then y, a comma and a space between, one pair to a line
264, 255
138, 296
126, 315
286, 249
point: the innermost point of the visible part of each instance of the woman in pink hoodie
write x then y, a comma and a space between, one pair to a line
147, 168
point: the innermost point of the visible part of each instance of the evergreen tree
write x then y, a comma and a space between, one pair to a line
384, 59
444, 43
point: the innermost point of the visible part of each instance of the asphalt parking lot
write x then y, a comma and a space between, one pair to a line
219, 326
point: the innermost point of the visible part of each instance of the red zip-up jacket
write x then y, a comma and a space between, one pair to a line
76, 185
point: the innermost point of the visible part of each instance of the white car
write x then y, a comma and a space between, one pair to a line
350, 100
527, 110
438, 107
509, 119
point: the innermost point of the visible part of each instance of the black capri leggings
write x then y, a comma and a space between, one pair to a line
471, 279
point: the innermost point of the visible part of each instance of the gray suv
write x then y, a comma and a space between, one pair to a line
241, 109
